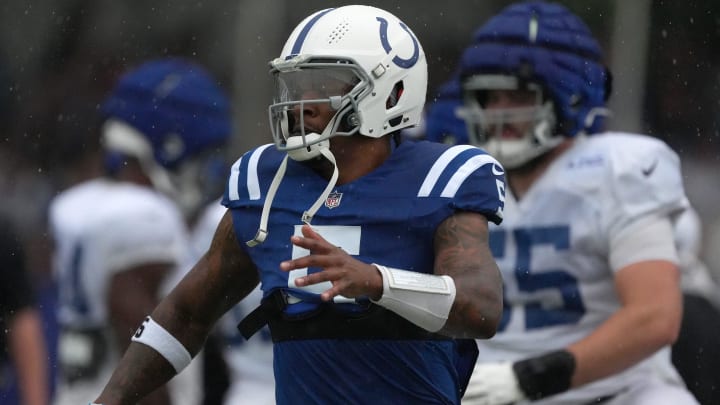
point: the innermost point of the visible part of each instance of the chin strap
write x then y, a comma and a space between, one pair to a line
309, 213
262, 232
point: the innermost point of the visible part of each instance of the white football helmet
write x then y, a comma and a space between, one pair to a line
362, 61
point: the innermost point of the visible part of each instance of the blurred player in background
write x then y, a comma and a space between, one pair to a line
23, 357
590, 269
695, 353
120, 238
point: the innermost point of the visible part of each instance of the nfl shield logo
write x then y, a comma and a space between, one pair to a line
333, 200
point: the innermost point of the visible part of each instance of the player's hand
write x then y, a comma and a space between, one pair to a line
349, 277
493, 384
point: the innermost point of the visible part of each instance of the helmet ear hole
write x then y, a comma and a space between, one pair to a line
395, 95
392, 100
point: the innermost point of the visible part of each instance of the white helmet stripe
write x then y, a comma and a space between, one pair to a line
297, 46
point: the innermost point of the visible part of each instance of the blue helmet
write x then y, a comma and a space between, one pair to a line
175, 104
442, 123
172, 117
538, 46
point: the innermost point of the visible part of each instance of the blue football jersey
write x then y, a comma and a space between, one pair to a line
388, 216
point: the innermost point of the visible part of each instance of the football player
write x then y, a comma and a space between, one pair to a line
24, 365
371, 253
590, 269
119, 238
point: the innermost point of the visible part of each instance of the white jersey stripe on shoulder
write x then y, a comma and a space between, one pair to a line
464, 171
439, 166
253, 183
233, 193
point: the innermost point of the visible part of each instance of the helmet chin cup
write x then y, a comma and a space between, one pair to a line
309, 149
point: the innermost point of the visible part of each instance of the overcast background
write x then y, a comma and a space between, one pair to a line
58, 58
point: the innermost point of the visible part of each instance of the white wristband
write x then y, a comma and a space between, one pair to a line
150, 333
423, 299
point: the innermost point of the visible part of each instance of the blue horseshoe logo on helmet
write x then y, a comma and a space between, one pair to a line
403, 63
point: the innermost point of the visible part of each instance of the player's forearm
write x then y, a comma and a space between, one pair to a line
625, 339
648, 320
628, 337
28, 351
193, 307
462, 252
477, 309
142, 368
140, 371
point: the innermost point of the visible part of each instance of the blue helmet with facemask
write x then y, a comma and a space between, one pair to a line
541, 47
172, 117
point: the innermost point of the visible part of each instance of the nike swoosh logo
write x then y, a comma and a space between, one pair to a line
650, 169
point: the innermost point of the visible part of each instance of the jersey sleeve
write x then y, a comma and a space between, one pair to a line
478, 184
148, 235
244, 184
645, 180
644, 184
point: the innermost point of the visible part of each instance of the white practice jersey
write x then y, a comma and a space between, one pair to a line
250, 362
553, 250
102, 227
